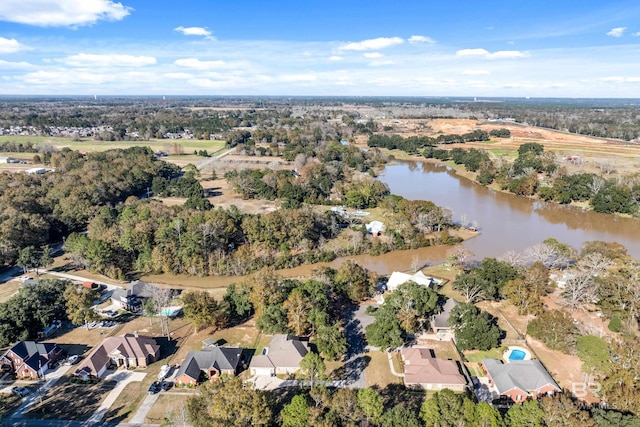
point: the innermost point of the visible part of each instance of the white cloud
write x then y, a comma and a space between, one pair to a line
194, 31
483, 53
618, 79
617, 32
15, 65
336, 58
372, 55
108, 60
308, 77
10, 45
380, 63
181, 76
475, 72
196, 64
421, 39
61, 13
373, 44
637, 34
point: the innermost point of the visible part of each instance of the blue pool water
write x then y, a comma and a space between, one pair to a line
517, 355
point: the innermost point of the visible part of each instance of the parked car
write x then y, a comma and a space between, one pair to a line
154, 387
20, 391
166, 385
72, 359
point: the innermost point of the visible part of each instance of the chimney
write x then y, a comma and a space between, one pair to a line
135, 334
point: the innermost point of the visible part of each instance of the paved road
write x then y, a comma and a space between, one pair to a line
356, 360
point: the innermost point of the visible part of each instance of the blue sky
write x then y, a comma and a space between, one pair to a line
306, 47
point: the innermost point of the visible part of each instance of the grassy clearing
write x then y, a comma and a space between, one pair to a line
8, 403
8, 289
169, 145
377, 371
69, 401
167, 410
476, 356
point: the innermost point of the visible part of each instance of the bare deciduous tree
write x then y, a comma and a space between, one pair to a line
579, 289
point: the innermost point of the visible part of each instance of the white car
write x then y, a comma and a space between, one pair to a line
72, 359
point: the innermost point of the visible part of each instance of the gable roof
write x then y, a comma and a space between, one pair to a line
525, 375
221, 358
127, 345
398, 278
422, 368
441, 320
27, 349
284, 351
33, 353
136, 288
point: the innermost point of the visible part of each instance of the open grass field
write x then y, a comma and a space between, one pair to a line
169, 409
8, 289
69, 401
591, 149
378, 372
169, 145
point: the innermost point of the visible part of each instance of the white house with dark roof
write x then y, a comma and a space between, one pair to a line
283, 356
520, 380
397, 278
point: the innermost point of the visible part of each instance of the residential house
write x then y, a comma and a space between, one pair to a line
130, 298
128, 351
30, 358
423, 370
397, 278
375, 227
211, 362
283, 356
520, 380
440, 321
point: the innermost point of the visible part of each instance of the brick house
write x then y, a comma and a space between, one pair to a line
31, 359
210, 362
128, 351
422, 370
520, 380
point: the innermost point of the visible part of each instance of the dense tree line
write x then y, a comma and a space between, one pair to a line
39, 209
413, 144
227, 402
32, 309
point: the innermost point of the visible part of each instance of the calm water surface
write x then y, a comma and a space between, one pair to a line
507, 222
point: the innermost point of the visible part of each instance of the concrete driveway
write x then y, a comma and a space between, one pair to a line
123, 378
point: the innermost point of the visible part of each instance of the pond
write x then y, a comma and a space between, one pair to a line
506, 222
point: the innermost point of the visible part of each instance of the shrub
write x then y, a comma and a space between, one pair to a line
615, 324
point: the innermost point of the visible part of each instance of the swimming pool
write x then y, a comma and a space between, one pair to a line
517, 355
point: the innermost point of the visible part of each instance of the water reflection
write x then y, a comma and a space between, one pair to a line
507, 222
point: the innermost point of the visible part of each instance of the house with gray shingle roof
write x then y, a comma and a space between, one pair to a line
440, 321
283, 356
212, 362
520, 380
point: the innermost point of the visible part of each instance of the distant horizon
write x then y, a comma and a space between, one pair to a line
550, 49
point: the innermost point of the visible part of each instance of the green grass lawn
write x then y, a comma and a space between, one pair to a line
476, 356
188, 145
